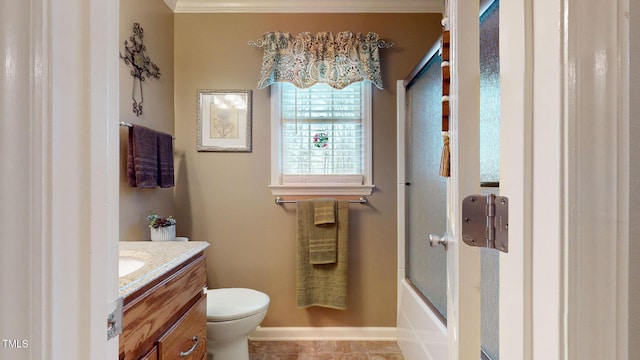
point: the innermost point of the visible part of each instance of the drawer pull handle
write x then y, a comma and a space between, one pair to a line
196, 341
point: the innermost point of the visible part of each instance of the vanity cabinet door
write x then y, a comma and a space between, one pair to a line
187, 339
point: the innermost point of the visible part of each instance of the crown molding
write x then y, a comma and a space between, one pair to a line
305, 6
171, 4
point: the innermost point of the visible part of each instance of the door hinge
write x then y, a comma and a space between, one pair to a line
485, 221
114, 321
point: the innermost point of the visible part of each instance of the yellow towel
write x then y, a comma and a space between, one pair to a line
324, 284
322, 232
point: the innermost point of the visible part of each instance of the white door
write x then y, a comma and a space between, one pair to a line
516, 287
83, 134
563, 90
464, 268
463, 262
60, 140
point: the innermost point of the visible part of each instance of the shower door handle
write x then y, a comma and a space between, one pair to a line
435, 240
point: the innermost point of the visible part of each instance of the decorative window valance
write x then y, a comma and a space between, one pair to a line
306, 59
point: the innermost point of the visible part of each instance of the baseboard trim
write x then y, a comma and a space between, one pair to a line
323, 333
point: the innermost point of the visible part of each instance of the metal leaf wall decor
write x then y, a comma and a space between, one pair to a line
141, 65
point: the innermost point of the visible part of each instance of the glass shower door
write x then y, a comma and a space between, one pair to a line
426, 190
426, 202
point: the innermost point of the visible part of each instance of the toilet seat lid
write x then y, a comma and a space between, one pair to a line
234, 303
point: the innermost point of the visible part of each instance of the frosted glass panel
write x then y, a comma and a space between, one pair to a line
489, 169
489, 96
489, 307
426, 194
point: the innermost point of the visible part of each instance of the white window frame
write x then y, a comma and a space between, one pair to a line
335, 184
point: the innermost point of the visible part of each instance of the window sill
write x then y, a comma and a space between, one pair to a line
321, 189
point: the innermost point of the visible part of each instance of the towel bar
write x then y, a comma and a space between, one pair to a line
280, 201
122, 123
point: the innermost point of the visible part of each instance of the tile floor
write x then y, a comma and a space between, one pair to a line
324, 350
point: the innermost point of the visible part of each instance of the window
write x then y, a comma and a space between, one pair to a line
321, 140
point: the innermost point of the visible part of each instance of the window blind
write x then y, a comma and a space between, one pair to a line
322, 131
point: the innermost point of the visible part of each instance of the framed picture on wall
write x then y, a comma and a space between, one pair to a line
224, 120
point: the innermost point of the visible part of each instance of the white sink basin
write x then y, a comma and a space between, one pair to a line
129, 264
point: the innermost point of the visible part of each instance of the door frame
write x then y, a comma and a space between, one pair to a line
566, 260
556, 305
516, 82
73, 122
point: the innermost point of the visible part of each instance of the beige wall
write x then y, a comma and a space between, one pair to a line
157, 21
224, 198
634, 184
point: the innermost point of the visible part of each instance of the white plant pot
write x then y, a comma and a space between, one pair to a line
166, 233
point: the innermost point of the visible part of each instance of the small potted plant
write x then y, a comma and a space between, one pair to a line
162, 228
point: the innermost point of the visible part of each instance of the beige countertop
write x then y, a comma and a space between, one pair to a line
159, 257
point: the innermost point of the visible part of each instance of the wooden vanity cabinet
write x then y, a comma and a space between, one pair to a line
167, 318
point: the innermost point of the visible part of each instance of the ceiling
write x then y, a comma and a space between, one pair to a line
305, 6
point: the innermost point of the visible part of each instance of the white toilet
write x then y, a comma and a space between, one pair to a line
232, 314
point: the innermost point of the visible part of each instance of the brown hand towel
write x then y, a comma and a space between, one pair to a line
165, 160
143, 151
131, 170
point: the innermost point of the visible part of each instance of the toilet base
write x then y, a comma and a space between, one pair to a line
232, 314
230, 350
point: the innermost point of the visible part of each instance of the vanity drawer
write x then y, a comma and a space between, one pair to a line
187, 339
